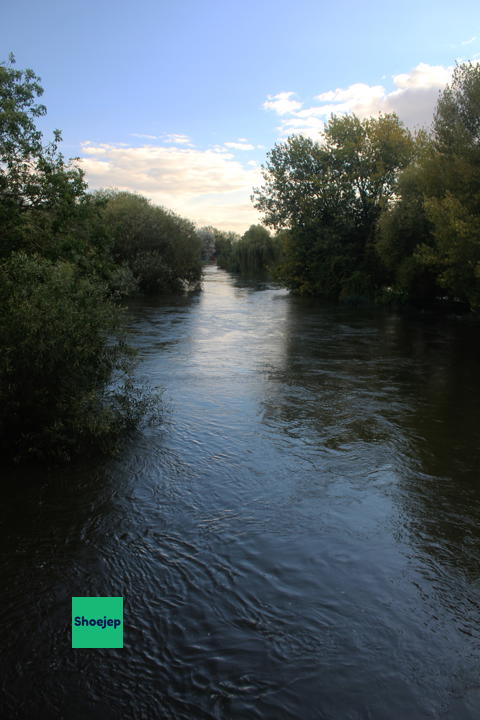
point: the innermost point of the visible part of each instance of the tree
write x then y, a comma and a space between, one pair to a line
58, 357
329, 196
254, 253
403, 227
454, 211
429, 237
224, 247
43, 199
59, 343
206, 235
162, 249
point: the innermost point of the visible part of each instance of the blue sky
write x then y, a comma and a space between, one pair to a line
181, 100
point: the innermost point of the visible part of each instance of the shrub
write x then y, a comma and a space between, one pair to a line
58, 359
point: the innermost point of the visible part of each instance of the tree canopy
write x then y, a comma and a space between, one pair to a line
430, 235
329, 195
374, 211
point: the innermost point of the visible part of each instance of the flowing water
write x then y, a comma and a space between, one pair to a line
298, 539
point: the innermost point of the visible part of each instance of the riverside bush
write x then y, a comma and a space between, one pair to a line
59, 355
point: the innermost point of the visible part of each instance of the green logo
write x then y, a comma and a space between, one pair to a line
97, 622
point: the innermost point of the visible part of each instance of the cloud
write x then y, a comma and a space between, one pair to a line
281, 103
413, 98
208, 186
469, 41
177, 139
423, 76
144, 136
240, 145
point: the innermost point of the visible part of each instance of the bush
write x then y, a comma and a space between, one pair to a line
161, 249
58, 360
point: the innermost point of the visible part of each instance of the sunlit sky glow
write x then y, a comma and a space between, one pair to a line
180, 101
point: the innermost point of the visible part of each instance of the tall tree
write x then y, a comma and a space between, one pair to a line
455, 211
329, 195
43, 199
429, 237
58, 322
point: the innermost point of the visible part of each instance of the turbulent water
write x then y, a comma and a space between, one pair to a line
299, 538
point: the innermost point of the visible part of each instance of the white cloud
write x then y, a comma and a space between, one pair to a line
423, 76
144, 136
356, 93
208, 186
177, 139
469, 41
413, 98
281, 103
240, 145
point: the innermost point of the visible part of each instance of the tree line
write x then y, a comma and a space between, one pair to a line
253, 253
375, 211
67, 260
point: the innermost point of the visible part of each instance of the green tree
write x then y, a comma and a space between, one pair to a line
59, 343
329, 196
207, 236
58, 357
254, 253
224, 245
403, 227
429, 236
43, 201
162, 249
454, 211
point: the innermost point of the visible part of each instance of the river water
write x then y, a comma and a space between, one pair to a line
299, 538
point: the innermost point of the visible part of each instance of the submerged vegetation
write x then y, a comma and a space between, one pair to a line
374, 211
66, 259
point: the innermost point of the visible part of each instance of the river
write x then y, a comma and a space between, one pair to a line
297, 539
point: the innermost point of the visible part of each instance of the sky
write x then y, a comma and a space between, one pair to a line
181, 100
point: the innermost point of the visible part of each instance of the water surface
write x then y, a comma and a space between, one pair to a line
298, 539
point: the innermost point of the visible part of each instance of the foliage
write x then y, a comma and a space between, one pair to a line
58, 357
402, 228
59, 349
374, 211
42, 198
329, 196
161, 249
256, 252
429, 237
224, 244
207, 236
455, 211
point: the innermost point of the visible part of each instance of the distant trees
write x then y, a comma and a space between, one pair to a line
224, 245
255, 252
374, 211
207, 236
